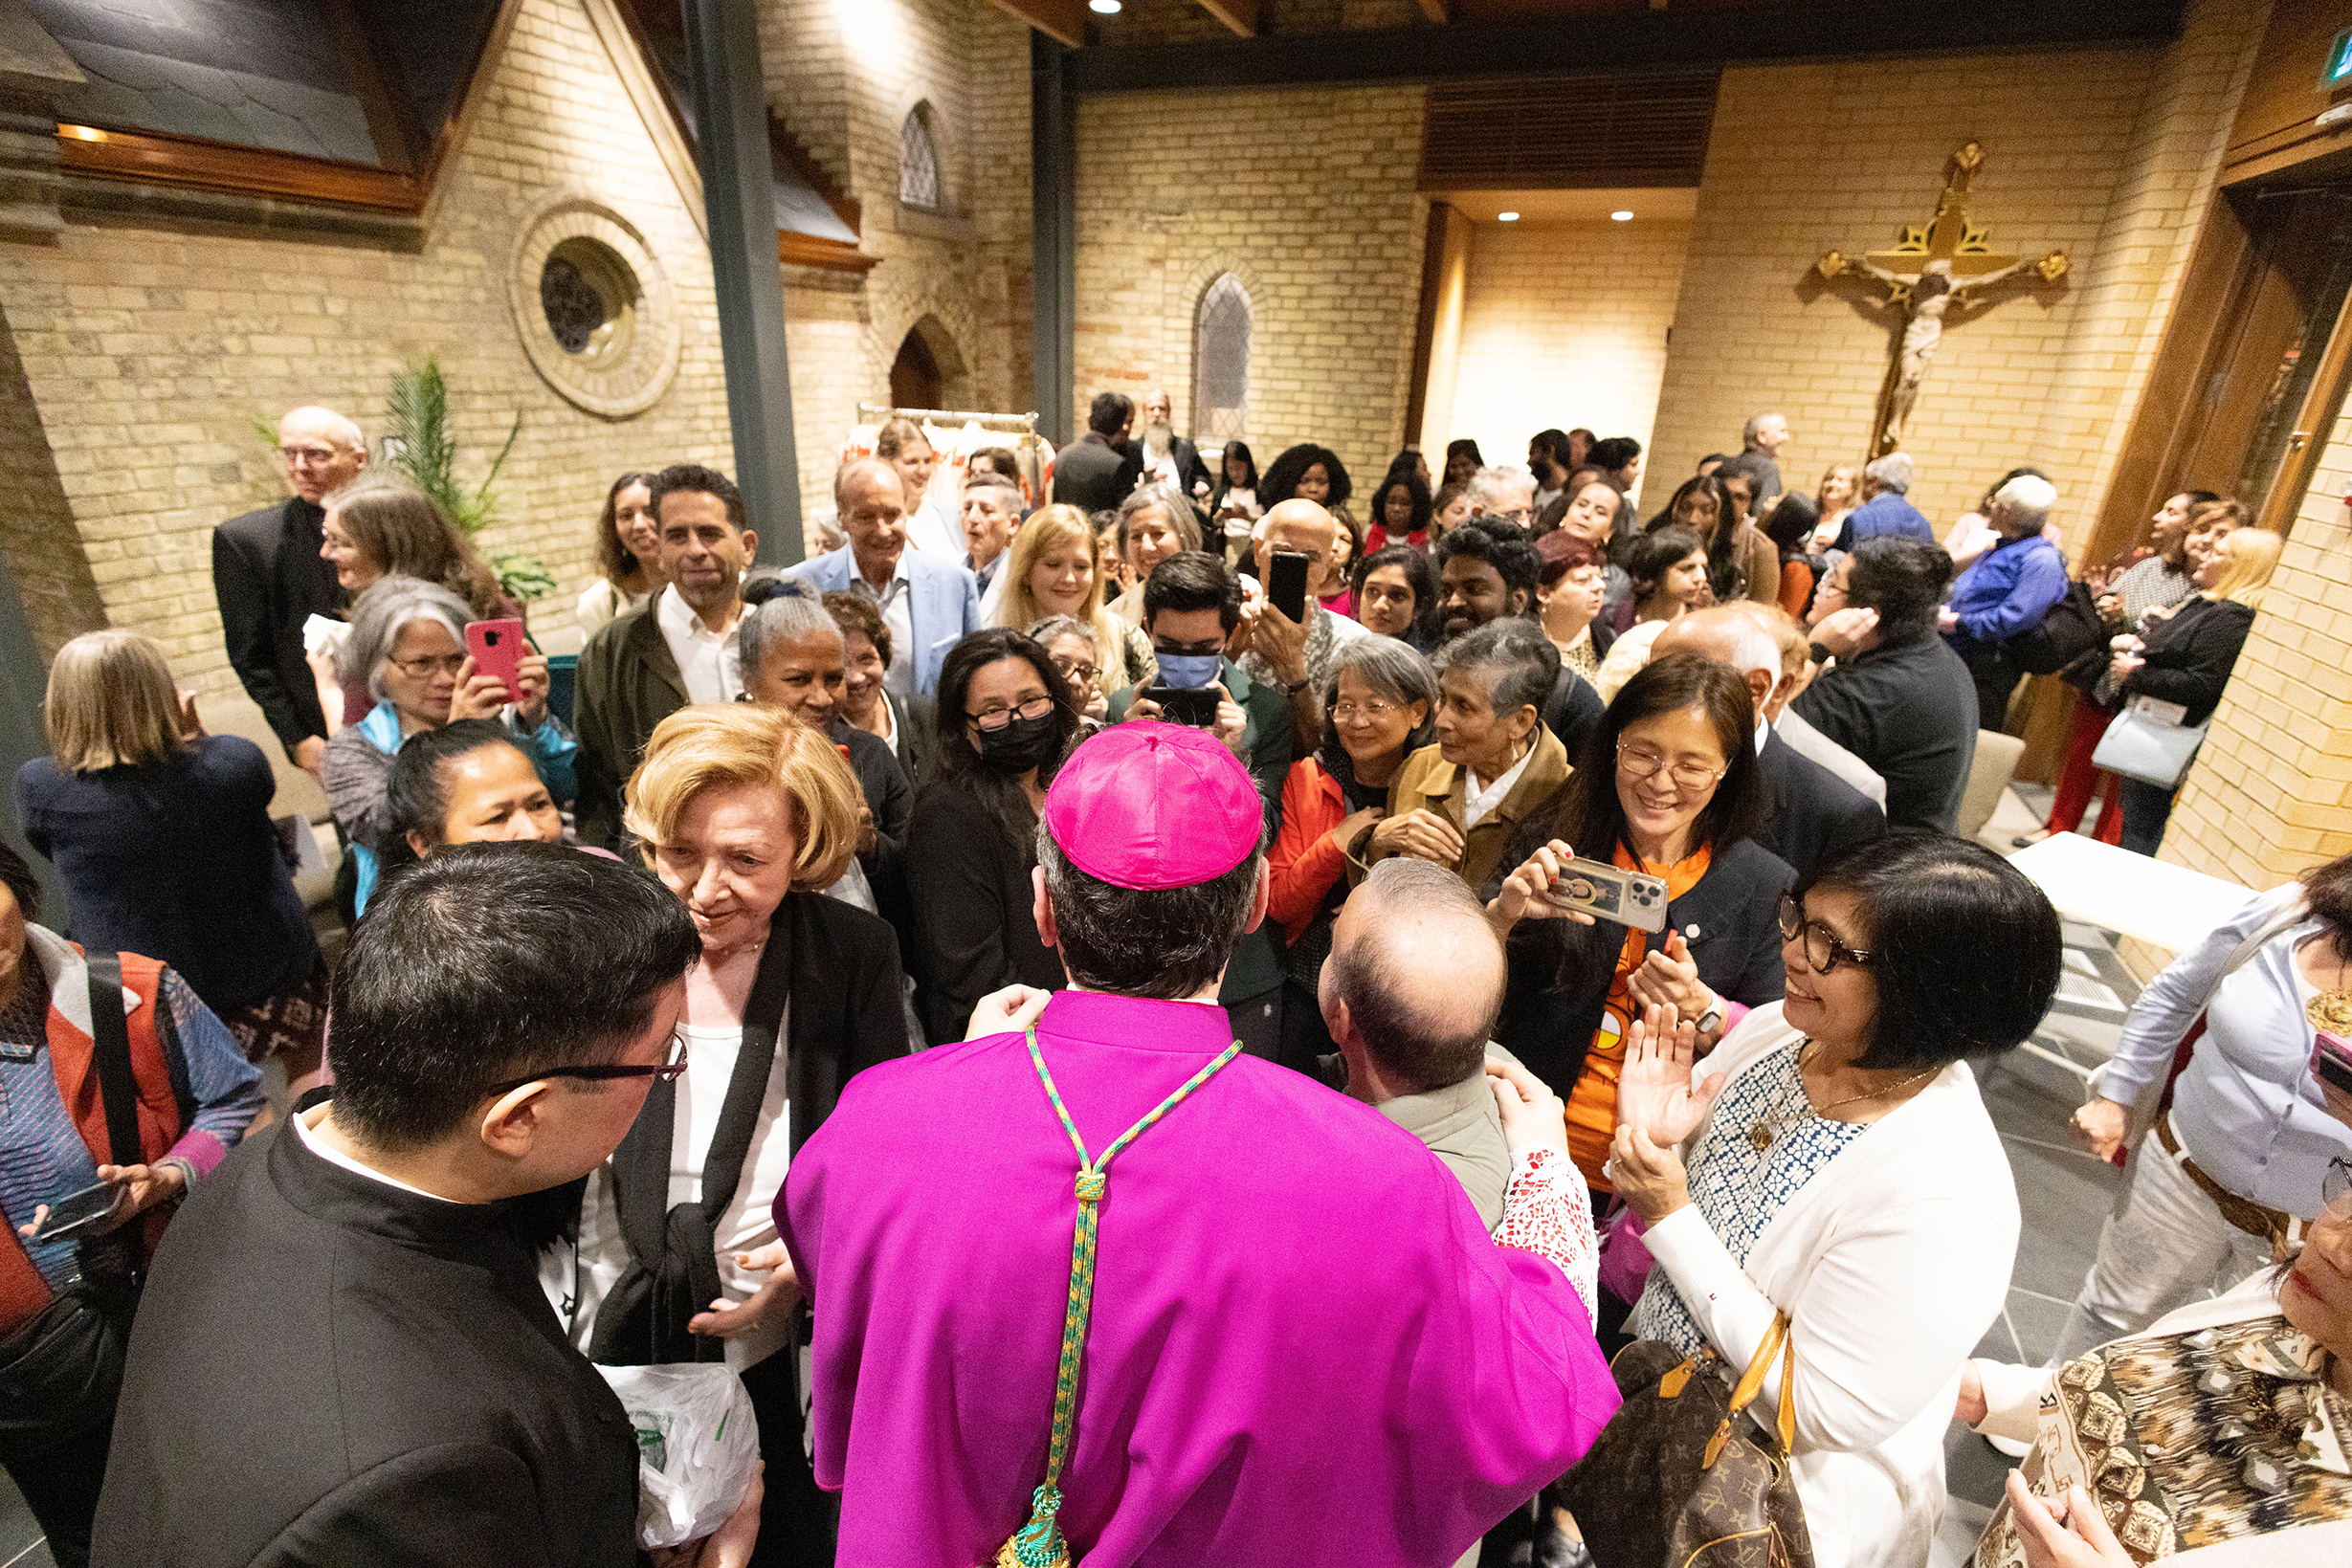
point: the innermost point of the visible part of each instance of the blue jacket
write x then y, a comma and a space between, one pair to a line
2008, 590
1885, 512
942, 602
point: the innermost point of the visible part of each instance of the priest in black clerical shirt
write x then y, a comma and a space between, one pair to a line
343, 1354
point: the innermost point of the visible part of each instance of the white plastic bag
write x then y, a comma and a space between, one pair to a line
697, 1446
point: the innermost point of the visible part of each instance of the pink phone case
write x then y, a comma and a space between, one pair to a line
497, 647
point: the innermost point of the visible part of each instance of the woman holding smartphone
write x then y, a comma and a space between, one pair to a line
1668, 787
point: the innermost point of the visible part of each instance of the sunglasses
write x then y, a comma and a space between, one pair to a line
673, 1066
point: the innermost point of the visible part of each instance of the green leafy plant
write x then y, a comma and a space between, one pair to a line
421, 446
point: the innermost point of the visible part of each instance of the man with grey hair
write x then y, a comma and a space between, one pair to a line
269, 579
1884, 510
2005, 594
1812, 814
1160, 456
1761, 438
927, 603
1504, 492
1410, 994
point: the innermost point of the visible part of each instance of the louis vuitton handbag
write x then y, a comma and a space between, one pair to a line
1681, 1477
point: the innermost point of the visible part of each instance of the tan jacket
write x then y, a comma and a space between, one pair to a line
1427, 780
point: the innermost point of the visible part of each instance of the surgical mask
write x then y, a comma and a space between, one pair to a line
1023, 744
1189, 671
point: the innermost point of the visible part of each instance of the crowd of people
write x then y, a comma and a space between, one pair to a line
749, 1006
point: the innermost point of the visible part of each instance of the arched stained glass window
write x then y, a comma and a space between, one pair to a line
919, 184
1221, 361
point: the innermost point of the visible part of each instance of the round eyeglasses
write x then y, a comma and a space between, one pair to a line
1823, 951
1641, 763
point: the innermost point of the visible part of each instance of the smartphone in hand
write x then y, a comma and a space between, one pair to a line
497, 648
78, 1211
1286, 584
1193, 705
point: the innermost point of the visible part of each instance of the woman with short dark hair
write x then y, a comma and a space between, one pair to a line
1836, 1169
1305, 472
1666, 569
1007, 719
1462, 460
1570, 588
1668, 787
1791, 529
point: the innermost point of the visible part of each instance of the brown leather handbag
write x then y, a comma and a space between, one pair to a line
1679, 1479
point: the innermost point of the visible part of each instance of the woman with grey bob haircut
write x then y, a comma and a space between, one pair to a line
1380, 702
408, 642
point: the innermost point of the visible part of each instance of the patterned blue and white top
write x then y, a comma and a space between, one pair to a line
1738, 1189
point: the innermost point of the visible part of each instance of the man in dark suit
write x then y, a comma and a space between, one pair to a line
1813, 813
269, 578
1158, 453
344, 1354
1093, 473
1898, 698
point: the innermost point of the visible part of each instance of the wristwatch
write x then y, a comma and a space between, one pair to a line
1712, 1020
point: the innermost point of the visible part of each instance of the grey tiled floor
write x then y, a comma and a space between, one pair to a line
20, 1538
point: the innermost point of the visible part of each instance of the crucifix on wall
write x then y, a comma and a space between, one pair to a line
1933, 268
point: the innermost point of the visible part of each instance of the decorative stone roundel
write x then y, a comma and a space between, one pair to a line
596, 313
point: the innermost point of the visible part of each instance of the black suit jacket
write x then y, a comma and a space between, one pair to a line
1092, 474
268, 578
1813, 813
891, 801
329, 1370
1189, 469
1573, 712
628, 682
914, 733
1730, 920
1910, 714
2190, 656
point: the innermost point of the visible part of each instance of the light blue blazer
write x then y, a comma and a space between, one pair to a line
942, 602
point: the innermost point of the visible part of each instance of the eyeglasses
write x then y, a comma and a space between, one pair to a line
997, 719
1371, 710
1823, 952
673, 1066
1516, 513
433, 664
1072, 669
2336, 1186
1641, 763
314, 456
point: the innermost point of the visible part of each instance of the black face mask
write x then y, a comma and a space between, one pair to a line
1023, 744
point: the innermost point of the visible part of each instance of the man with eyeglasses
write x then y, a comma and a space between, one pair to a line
269, 579
1295, 655
1504, 493
343, 1354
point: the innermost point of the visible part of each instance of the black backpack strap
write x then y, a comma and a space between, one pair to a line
110, 1054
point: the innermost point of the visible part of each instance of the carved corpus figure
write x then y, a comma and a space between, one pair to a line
1935, 266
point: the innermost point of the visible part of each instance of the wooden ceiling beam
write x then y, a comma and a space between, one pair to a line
1061, 20
1241, 16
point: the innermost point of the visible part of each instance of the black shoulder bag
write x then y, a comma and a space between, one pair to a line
673, 1271
61, 1369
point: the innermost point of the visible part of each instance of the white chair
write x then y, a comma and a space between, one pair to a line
1990, 773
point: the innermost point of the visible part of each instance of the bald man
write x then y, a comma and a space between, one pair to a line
1812, 812
926, 599
1410, 994
1295, 657
269, 578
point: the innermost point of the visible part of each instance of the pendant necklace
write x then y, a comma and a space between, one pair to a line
1768, 1127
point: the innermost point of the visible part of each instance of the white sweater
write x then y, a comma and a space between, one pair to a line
1890, 1263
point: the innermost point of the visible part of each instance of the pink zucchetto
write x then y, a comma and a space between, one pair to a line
1150, 805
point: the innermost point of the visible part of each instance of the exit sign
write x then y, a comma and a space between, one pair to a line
2339, 73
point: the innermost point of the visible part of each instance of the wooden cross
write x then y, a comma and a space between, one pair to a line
1933, 265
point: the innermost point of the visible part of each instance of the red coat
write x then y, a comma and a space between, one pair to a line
1304, 862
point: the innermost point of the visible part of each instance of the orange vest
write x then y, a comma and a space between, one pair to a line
23, 1292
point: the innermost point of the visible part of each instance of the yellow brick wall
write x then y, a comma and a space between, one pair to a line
1564, 324
2107, 154
151, 352
1308, 195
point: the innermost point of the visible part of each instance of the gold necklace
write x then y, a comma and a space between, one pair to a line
1765, 1128
2332, 1010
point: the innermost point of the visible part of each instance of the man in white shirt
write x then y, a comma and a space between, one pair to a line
676, 649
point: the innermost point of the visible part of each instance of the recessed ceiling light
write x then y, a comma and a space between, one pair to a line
1103, 7
1506, 217
1621, 215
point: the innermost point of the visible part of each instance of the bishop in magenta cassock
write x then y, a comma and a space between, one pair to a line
1303, 1346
